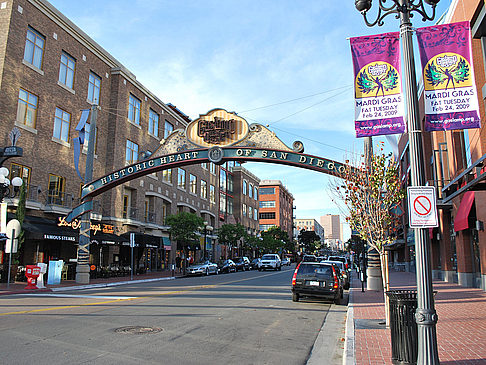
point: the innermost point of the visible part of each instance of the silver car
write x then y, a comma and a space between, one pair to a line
202, 268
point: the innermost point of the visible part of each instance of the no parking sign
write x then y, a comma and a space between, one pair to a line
422, 208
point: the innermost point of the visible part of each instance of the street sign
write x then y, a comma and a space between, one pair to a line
132, 239
422, 207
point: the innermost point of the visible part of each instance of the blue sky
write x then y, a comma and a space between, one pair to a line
282, 63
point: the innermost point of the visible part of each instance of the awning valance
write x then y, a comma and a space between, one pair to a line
461, 219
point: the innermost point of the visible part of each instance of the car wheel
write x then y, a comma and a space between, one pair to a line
346, 287
295, 297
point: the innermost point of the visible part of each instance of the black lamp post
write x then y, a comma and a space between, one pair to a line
425, 315
6, 185
207, 229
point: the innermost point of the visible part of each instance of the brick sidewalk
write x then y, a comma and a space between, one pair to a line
461, 328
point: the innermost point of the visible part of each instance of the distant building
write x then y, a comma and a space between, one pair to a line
309, 224
275, 206
332, 230
246, 187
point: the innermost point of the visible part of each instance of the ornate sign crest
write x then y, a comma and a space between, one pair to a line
217, 128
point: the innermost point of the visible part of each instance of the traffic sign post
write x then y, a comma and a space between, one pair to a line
422, 207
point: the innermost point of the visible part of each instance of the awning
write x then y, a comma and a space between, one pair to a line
461, 219
105, 238
167, 243
395, 245
37, 228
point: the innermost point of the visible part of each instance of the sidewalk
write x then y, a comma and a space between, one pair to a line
18, 287
461, 327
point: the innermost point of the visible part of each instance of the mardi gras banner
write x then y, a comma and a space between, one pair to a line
378, 87
450, 96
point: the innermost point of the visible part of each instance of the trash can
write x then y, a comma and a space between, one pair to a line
403, 327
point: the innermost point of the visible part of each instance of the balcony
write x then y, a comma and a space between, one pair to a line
130, 213
150, 217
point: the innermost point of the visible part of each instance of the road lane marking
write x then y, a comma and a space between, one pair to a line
77, 296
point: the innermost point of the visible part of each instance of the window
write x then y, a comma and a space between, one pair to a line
267, 191
255, 193
131, 155
244, 187
230, 183
192, 183
94, 85
62, 121
168, 129
230, 205
266, 227
27, 108
212, 195
34, 48
222, 203
222, 180
250, 211
167, 176
267, 204
212, 168
126, 201
56, 187
181, 178
250, 191
66, 70
21, 171
204, 189
255, 214
267, 215
204, 165
244, 210
134, 109
153, 127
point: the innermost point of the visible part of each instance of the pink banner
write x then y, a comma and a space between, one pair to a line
378, 89
450, 95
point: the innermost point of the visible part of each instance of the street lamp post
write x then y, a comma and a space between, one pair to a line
207, 228
425, 315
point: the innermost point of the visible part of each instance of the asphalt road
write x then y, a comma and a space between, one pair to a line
238, 318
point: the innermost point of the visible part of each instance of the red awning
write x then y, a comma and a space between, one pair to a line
460, 222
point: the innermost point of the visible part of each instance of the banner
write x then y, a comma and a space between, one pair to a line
450, 95
378, 87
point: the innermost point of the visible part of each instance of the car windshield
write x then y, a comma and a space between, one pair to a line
338, 263
268, 257
315, 269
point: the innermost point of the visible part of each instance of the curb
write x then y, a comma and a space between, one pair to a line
349, 357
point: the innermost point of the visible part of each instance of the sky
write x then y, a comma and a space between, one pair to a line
285, 64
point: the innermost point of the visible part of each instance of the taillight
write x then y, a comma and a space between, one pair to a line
346, 266
336, 282
295, 274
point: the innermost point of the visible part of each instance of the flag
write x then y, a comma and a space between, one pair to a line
378, 88
450, 93
79, 141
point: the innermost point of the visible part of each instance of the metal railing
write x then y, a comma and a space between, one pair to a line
130, 213
150, 217
59, 198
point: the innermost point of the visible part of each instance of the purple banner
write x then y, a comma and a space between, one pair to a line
450, 94
377, 84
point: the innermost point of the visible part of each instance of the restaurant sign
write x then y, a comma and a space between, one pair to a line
95, 227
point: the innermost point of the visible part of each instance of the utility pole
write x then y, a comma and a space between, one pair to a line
82, 267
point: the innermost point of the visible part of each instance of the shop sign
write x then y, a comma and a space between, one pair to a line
59, 238
76, 224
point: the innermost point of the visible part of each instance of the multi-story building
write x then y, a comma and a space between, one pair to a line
246, 199
454, 164
310, 224
275, 206
332, 230
50, 71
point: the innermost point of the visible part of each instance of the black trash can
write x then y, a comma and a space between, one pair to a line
403, 327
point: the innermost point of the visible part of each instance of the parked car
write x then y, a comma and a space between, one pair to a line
226, 266
271, 261
242, 263
343, 259
202, 268
343, 271
316, 279
309, 258
256, 264
286, 261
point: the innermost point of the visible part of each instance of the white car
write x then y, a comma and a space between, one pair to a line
286, 261
202, 268
271, 261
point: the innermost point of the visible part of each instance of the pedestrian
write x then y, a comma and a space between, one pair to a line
178, 263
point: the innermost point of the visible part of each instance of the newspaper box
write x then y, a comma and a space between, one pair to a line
32, 272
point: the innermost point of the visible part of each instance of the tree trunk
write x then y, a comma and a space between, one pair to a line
386, 284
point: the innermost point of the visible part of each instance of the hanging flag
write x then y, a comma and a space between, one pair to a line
79, 141
450, 95
378, 87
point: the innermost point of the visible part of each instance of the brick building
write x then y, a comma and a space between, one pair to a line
275, 206
50, 70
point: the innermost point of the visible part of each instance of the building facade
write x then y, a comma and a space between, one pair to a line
246, 199
332, 230
454, 164
275, 206
310, 224
50, 71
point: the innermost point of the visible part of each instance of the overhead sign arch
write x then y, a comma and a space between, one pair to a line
218, 137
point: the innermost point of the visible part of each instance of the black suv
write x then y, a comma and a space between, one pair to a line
242, 263
316, 279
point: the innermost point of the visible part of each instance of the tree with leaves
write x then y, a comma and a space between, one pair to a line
231, 234
274, 240
370, 193
310, 240
186, 229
